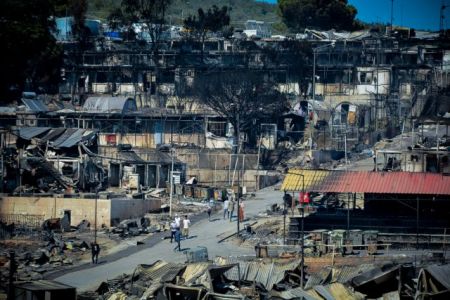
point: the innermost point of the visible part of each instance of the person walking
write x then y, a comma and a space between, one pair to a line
231, 208
209, 212
226, 212
173, 230
95, 248
93, 252
241, 211
178, 240
177, 221
186, 223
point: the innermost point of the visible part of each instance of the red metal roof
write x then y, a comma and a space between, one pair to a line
367, 182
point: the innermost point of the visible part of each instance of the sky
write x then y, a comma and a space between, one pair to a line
417, 14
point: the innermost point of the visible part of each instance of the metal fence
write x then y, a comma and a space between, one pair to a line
20, 226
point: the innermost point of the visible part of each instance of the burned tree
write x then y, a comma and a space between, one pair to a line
213, 20
243, 98
151, 13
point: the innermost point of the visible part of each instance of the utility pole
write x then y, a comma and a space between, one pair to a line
12, 270
442, 17
238, 201
392, 15
302, 262
95, 212
284, 224
311, 122
171, 182
345, 147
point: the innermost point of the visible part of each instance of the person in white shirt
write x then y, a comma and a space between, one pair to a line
186, 223
177, 221
173, 230
226, 213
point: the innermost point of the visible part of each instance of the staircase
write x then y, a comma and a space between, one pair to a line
50, 169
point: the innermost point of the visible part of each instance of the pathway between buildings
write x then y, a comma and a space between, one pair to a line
203, 232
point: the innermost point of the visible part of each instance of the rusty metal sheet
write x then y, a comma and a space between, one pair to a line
367, 182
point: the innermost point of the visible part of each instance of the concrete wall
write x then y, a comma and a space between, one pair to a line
133, 208
80, 209
223, 177
53, 207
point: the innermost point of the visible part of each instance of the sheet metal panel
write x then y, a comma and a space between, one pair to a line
52, 134
440, 273
27, 133
71, 138
120, 104
367, 182
35, 105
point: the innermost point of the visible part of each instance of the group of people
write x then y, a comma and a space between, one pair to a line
228, 209
179, 229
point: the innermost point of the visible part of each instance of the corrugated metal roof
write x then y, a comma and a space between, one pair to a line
157, 270
52, 134
321, 277
28, 133
264, 272
35, 105
43, 285
71, 137
440, 273
193, 271
107, 104
339, 292
324, 292
129, 156
298, 293
347, 273
367, 182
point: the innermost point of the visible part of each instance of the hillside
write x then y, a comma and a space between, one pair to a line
242, 10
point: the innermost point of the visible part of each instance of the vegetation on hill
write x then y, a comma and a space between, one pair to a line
324, 14
241, 10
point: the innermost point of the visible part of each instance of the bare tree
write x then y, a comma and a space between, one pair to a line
243, 98
213, 20
152, 13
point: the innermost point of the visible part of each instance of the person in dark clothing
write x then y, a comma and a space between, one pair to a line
93, 252
209, 213
178, 240
95, 248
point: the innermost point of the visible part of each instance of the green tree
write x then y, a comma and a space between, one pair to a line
29, 50
317, 14
213, 20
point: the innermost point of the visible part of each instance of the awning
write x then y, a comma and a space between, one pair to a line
52, 134
323, 181
130, 157
27, 133
71, 138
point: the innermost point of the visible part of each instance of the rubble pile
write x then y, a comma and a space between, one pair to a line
269, 278
270, 232
34, 259
134, 227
